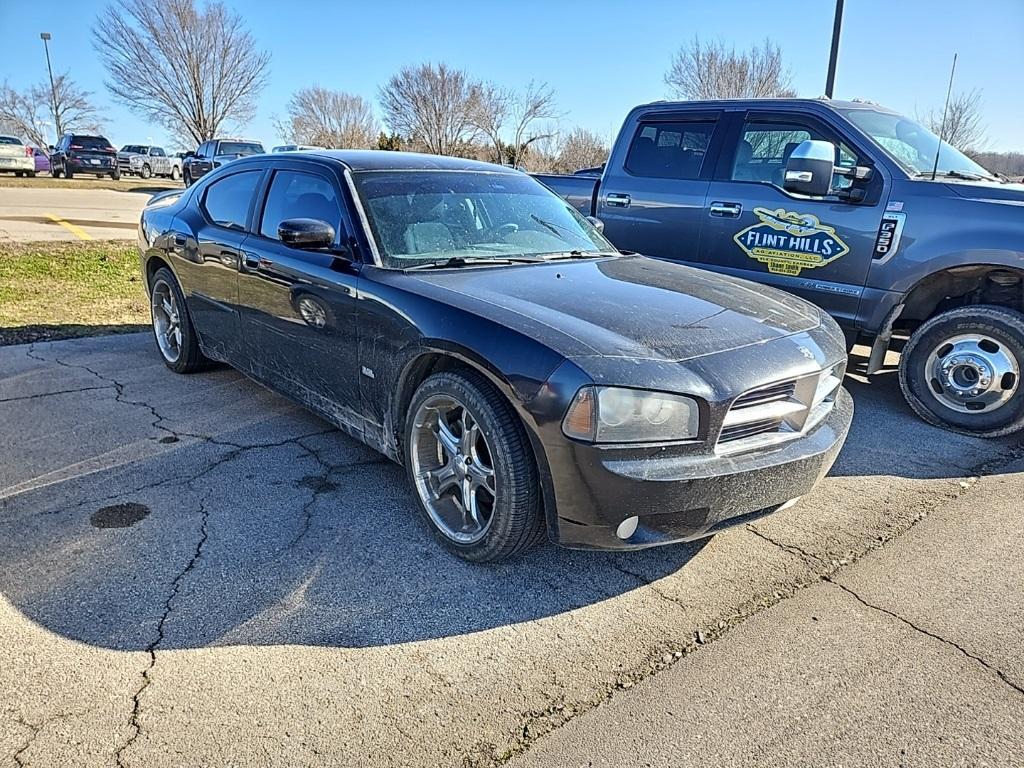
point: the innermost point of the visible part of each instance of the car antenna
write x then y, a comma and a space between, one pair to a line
942, 128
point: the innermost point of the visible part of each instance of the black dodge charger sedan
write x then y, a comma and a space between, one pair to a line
470, 325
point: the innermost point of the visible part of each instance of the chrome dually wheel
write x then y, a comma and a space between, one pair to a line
166, 320
973, 373
452, 469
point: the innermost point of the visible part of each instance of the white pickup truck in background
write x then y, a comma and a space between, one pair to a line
147, 161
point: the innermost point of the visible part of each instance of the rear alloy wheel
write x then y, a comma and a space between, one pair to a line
470, 463
962, 370
172, 327
175, 173
146, 171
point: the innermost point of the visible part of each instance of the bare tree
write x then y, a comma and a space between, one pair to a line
709, 70
193, 71
963, 127
497, 111
581, 149
26, 112
332, 119
431, 106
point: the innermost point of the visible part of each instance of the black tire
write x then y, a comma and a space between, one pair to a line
31, 174
1004, 326
517, 520
55, 173
68, 173
18, 174
191, 358
188, 178
116, 176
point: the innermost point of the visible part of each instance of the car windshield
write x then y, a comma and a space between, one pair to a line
239, 148
912, 145
422, 217
134, 148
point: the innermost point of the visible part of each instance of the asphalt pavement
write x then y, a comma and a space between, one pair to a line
28, 215
193, 571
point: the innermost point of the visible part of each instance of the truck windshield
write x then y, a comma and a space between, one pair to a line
461, 217
135, 149
911, 144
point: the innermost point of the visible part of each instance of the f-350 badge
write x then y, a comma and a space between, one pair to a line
788, 242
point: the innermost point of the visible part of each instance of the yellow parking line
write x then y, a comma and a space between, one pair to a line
78, 232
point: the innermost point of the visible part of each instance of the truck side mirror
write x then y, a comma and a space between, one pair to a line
809, 168
598, 224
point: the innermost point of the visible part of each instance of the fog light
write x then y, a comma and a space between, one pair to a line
627, 527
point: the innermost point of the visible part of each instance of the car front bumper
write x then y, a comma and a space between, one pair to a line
687, 497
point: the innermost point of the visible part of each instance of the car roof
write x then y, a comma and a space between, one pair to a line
383, 160
832, 104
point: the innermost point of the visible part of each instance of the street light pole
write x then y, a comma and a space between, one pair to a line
45, 37
833, 58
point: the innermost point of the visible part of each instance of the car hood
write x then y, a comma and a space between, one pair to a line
990, 192
630, 306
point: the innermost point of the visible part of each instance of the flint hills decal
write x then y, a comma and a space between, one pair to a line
788, 242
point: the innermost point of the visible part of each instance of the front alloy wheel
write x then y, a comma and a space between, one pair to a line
472, 467
962, 370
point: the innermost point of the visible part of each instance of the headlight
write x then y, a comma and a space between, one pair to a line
619, 415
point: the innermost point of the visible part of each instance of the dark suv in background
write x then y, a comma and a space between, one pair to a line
84, 153
213, 154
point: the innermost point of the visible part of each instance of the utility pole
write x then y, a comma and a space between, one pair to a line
45, 37
837, 27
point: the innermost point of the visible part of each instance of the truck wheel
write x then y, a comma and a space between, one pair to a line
116, 176
962, 370
188, 178
68, 173
55, 173
175, 173
472, 468
146, 172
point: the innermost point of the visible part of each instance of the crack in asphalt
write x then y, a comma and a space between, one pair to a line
793, 549
927, 633
51, 394
151, 649
37, 728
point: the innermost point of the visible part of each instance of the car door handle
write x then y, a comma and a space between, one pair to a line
251, 260
180, 240
726, 210
617, 200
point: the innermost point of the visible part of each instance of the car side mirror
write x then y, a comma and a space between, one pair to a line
598, 224
306, 234
809, 168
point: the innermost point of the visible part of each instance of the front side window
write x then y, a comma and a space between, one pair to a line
670, 150
424, 216
227, 199
765, 148
157, 152
297, 195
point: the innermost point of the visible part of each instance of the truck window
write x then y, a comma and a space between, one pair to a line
765, 147
669, 150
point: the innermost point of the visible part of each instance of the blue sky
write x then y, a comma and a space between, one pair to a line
601, 56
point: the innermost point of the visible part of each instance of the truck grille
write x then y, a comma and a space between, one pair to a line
780, 411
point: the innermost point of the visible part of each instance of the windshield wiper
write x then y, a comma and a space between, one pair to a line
578, 254
462, 261
555, 229
955, 174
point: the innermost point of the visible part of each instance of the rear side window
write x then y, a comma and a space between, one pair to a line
227, 200
670, 150
10, 140
297, 195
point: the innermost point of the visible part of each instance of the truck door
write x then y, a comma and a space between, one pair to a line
817, 248
652, 198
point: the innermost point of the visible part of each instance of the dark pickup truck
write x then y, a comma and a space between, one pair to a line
850, 205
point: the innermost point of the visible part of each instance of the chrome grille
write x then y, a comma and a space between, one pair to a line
780, 411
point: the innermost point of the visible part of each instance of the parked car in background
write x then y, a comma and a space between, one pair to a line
42, 159
215, 153
146, 161
16, 157
296, 148
847, 204
84, 153
464, 321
